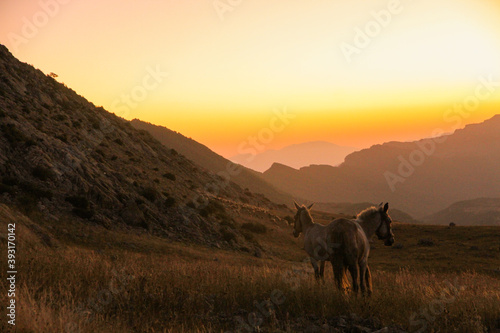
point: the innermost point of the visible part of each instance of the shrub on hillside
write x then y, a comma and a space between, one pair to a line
150, 193
255, 227
42, 173
170, 176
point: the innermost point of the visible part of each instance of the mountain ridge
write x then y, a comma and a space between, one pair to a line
296, 155
454, 167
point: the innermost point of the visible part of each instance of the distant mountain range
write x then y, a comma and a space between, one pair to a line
213, 162
345, 208
421, 177
481, 211
296, 156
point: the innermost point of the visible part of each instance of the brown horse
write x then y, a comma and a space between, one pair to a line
352, 247
315, 238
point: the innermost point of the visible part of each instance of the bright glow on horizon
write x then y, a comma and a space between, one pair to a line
226, 77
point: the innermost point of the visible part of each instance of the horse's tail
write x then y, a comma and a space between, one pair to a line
340, 241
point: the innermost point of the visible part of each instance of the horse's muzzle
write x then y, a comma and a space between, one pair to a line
389, 241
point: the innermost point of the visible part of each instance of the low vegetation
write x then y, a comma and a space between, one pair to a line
141, 283
257, 228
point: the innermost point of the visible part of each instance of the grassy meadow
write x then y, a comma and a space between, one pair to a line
76, 278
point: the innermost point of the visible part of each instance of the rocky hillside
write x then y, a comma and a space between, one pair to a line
213, 162
421, 177
61, 157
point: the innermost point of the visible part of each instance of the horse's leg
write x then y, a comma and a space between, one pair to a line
322, 269
362, 276
368, 277
314, 264
354, 270
338, 273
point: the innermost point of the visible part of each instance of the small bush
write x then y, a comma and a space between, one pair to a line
60, 117
426, 242
289, 219
174, 152
150, 193
248, 235
78, 201
11, 181
12, 134
83, 213
62, 137
35, 192
4, 188
214, 208
170, 176
42, 173
169, 202
119, 142
257, 228
227, 235
228, 223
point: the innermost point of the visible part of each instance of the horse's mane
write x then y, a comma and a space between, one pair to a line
367, 213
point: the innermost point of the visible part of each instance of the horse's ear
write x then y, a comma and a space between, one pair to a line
296, 205
310, 206
380, 205
386, 207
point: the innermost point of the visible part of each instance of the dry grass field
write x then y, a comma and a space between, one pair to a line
75, 278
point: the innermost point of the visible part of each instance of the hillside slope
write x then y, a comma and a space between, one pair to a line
62, 158
213, 162
462, 166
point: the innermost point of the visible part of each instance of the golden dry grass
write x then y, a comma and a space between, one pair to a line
168, 287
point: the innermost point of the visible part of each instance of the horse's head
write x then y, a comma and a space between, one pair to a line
302, 214
384, 231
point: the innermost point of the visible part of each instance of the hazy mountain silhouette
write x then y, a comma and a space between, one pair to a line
481, 211
465, 166
346, 208
296, 156
213, 162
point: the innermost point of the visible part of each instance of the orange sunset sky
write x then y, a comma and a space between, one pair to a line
231, 63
